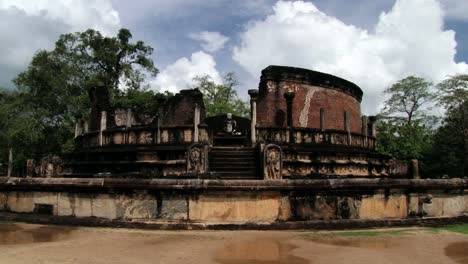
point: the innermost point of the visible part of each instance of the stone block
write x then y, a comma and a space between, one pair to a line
174, 208
83, 205
381, 207
66, 204
3, 201
445, 206
314, 207
263, 207
136, 206
104, 206
21, 202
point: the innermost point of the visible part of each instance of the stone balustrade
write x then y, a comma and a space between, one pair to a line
314, 136
143, 135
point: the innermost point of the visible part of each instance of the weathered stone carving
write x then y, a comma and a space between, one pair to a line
196, 158
29, 168
272, 162
51, 166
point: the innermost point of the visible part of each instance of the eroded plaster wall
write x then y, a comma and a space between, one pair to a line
242, 206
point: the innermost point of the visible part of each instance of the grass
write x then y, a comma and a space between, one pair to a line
372, 233
360, 233
460, 228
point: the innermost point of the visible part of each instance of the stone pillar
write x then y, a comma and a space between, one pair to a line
85, 126
29, 168
322, 119
10, 161
78, 129
373, 128
196, 122
347, 125
129, 118
158, 129
289, 96
364, 129
415, 169
102, 127
253, 115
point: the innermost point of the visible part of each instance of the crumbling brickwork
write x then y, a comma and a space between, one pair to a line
313, 91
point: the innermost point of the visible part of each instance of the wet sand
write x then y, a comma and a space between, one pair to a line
25, 243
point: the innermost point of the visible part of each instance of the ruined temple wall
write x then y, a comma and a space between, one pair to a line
179, 110
308, 100
240, 206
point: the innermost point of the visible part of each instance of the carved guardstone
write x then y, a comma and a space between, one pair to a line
272, 162
196, 158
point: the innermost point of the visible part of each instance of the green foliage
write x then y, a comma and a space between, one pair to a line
139, 100
454, 97
221, 98
403, 141
403, 131
39, 117
459, 228
409, 99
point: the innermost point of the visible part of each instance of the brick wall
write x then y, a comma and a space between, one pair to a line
309, 98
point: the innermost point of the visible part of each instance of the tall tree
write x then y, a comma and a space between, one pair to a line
454, 98
409, 100
403, 122
54, 87
221, 98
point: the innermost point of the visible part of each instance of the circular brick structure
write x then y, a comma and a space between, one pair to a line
315, 92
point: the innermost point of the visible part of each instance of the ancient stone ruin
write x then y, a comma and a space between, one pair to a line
304, 124
306, 157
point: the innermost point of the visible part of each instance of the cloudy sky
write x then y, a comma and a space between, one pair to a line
370, 42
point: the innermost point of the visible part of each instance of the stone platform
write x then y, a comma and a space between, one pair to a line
234, 204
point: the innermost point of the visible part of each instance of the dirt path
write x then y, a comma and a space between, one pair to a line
24, 243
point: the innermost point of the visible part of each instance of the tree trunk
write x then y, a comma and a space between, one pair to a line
465, 137
10, 161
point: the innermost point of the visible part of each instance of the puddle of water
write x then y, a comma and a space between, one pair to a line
12, 234
358, 242
458, 252
258, 251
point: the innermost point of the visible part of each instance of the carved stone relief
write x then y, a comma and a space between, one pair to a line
272, 162
196, 158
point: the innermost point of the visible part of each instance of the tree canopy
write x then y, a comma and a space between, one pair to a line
221, 98
39, 116
410, 98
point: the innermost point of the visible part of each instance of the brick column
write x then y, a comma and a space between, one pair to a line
373, 128
253, 115
196, 122
102, 127
289, 96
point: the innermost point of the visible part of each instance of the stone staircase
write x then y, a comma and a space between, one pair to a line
233, 162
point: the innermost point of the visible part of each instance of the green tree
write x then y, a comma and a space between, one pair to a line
453, 97
221, 98
403, 122
409, 100
54, 88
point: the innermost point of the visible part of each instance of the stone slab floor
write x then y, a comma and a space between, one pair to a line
26, 243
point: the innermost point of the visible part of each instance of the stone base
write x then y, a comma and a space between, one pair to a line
224, 202
190, 225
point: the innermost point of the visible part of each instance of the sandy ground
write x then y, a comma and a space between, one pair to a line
25, 243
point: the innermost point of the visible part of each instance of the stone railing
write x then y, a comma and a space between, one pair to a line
313, 136
142, 135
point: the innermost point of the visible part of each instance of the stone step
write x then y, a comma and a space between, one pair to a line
233, 169
232, 156
237, 175
233, 163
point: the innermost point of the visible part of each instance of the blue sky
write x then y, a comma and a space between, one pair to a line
370, 42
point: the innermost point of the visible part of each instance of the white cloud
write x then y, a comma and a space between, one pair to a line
457, 9
211, 41
27, 26
409, 39
180, 74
